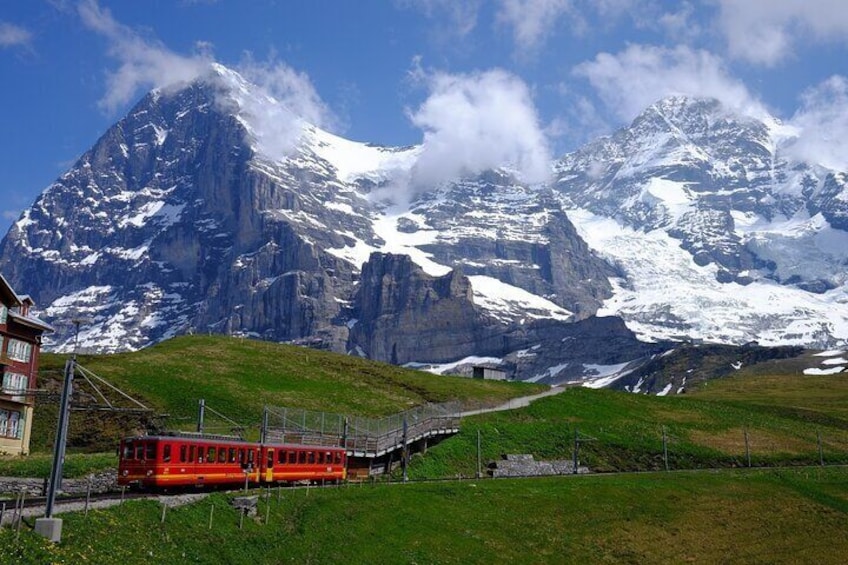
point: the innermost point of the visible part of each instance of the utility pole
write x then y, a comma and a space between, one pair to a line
405, 449
576, 449
48, 526
201, 410
479, 462
263, 434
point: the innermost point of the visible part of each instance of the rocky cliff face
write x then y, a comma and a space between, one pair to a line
402, 312
172, 222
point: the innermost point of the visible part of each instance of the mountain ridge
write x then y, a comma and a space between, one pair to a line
185, 217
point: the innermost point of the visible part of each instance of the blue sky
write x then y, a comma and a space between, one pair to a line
530, 78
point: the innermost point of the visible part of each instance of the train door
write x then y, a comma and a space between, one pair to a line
269, 465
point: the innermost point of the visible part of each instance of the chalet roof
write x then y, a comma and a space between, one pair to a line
12, 299
8, 294
31, 321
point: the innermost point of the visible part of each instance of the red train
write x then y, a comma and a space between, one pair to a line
179, 461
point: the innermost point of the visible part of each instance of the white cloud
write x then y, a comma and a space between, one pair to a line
478, 121
822, 124
11, 35
640, 75
277, 106
284, 102
461, 15
765, 31
532, 21
144, 63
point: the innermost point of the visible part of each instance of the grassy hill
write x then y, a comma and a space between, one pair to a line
237, 377
782, 412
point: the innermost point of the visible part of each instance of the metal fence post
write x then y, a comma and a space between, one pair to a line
747, 448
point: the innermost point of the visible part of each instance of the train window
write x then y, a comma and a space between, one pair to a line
301, 457
281, 456
320, 456
292, 456
251, 456
270, 458
222, 455
139, 451
232, 455
311, 457
151, 450
183, 451
128, 451
338, 457
210, 455
166, 453
200, 453
241, 455
191, 454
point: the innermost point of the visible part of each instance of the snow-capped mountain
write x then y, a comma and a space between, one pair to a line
209, 207
719, 233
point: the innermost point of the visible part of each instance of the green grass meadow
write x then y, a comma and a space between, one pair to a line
741, 516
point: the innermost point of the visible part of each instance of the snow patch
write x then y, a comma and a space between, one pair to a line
817, 371
508, 303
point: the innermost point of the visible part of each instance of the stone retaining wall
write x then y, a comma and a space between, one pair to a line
527, 466
103, 481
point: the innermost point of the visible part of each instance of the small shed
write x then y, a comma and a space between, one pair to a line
489, 373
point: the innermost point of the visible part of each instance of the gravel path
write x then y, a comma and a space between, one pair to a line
515, 403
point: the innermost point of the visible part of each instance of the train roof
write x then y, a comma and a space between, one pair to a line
213, 439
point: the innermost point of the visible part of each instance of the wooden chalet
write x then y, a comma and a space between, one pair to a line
20, 344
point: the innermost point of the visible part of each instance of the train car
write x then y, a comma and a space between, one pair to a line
192, 460
176, 461
289, 462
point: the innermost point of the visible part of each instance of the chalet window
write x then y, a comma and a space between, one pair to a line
10, 424
3, 312
19, 350
15, 428
14, 383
